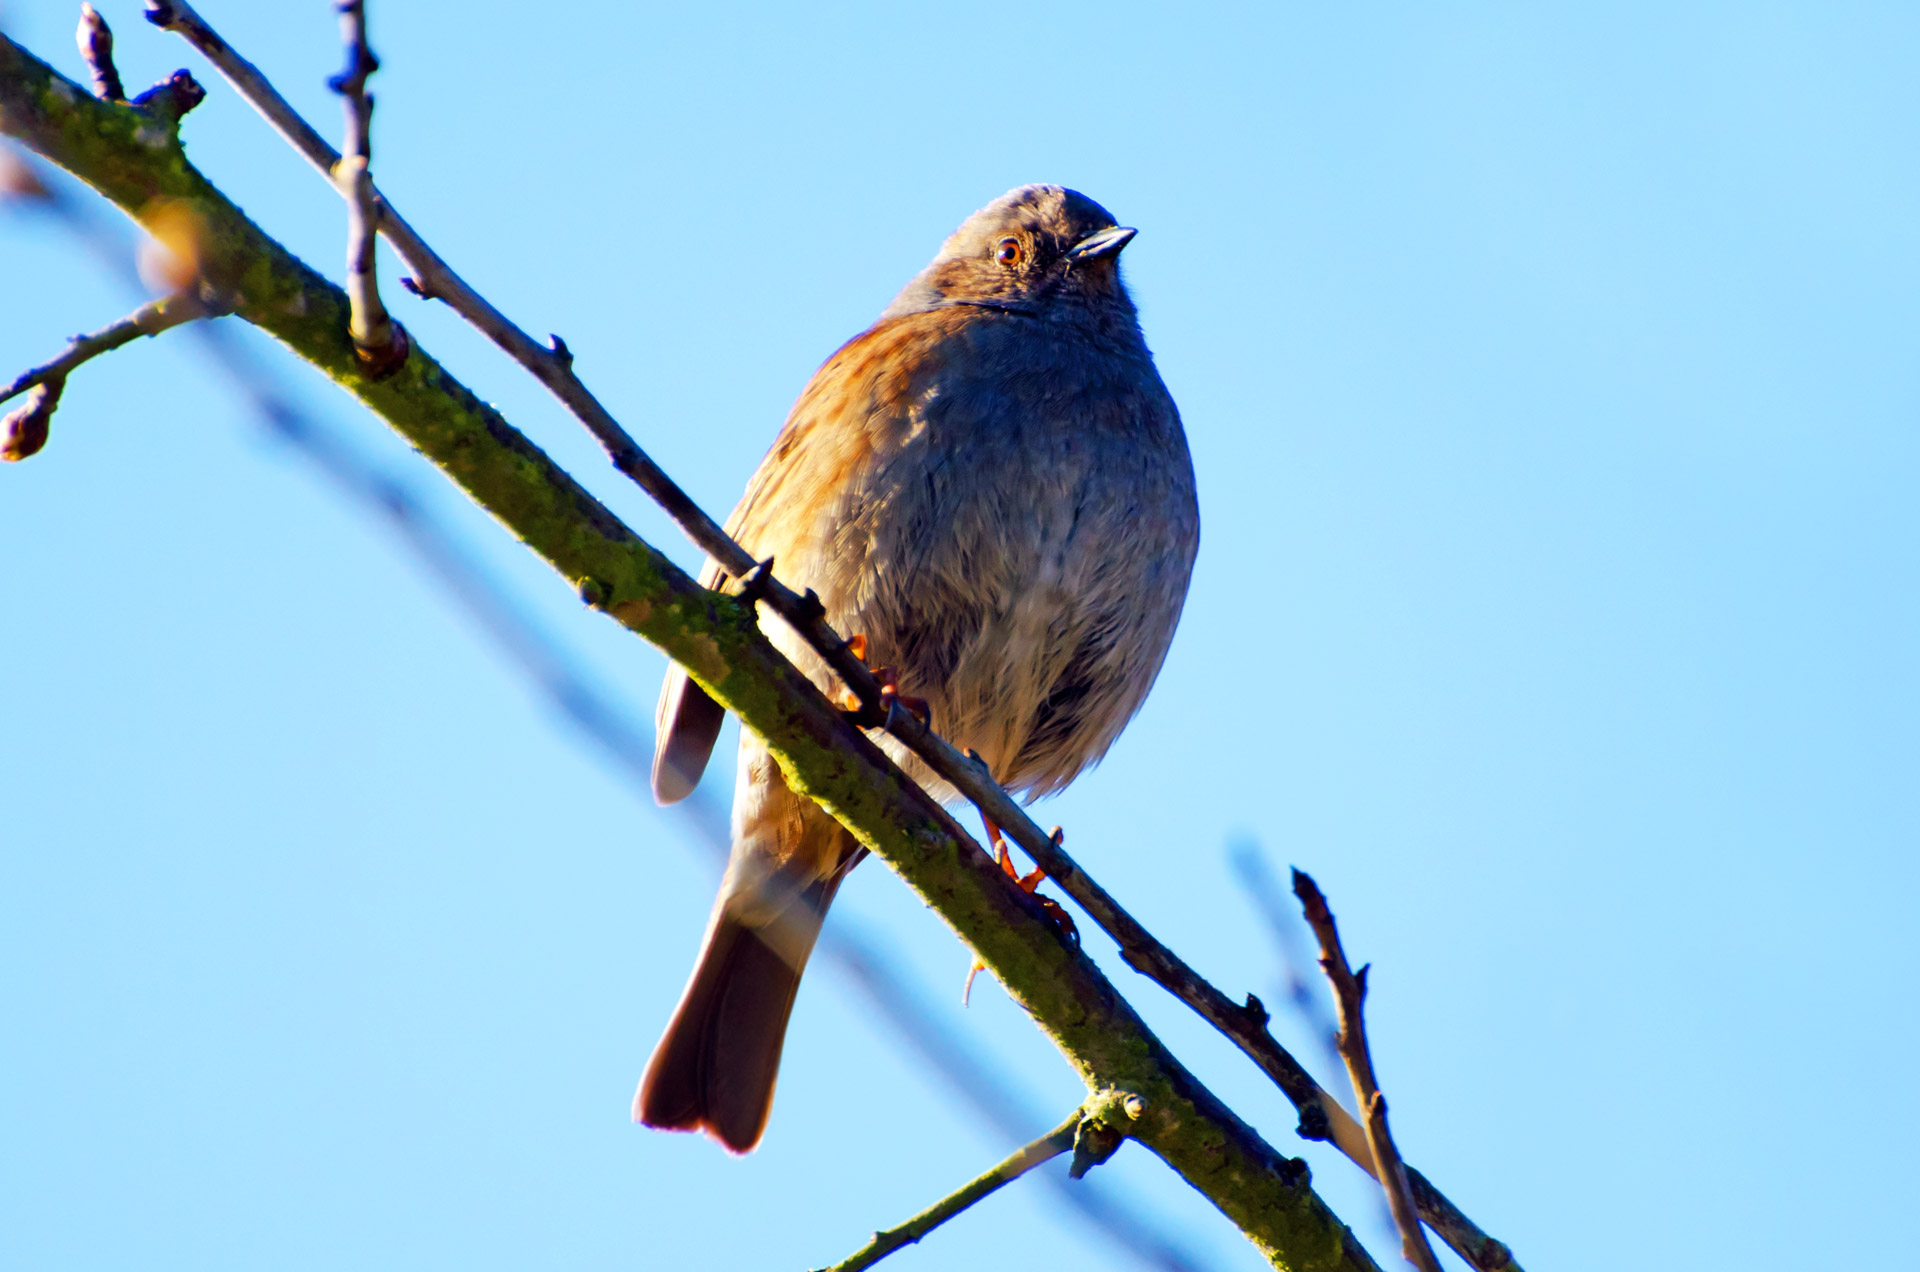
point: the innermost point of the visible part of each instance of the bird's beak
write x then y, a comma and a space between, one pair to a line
1107, 242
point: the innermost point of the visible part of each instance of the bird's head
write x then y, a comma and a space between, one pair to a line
1040, 249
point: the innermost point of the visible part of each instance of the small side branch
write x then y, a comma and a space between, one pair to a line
168, 100
150, 319
884, 1243
1350, 991
96, 50
24, 430
379, 342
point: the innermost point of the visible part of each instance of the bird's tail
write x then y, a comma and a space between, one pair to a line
715, 1067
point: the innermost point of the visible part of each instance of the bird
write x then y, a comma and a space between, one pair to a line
991, 486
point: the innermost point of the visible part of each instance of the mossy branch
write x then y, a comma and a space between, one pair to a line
136, 161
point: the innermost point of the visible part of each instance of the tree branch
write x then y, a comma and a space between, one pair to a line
1321, 1116
1350, 992
377, 339
888, 1240
150, 319
718, 639
24, 430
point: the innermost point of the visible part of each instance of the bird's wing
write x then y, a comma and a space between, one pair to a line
858, 397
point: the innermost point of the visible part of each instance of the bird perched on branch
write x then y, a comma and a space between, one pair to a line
991, 486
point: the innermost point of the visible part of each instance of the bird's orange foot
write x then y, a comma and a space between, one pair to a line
1029, 883
889, 692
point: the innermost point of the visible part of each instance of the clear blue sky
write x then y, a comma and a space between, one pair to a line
1552, 386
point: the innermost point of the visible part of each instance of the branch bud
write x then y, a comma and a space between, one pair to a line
24, 430
96, 48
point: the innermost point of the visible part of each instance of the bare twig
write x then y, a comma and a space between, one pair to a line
96, 49
886, 1241
379, 341
1350, 992
1264, 890
351, 83
1321, 1116
23, 432
150, 319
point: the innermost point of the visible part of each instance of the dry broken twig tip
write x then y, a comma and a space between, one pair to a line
1350, 992
1321, 1117
172, 97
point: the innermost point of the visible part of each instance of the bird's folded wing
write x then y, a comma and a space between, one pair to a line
831, 433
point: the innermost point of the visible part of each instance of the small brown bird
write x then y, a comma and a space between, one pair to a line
992, 486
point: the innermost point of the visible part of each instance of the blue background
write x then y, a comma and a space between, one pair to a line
1551, 380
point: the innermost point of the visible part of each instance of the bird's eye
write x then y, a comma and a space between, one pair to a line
1008, 253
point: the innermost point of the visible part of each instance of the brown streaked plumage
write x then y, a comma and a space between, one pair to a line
991, 484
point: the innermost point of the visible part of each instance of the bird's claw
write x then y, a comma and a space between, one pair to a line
890, 696
1029, 883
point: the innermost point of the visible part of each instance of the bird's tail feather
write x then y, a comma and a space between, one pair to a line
715, 1067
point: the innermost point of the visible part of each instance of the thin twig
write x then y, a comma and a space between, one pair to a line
1321, 1116
886, 1241
96, 50
24, 430
378, 341
150, 319
1263, 889
168, 100
1350, 992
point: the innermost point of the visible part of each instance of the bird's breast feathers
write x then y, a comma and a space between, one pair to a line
1004, 509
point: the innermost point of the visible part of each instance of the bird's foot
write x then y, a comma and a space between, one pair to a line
889, 693
1029, 883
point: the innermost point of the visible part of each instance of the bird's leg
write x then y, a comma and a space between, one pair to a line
1032, 881
889, 688
857, 646
1029, 883
996, 840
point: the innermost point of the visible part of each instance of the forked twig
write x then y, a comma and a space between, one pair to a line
1350, 992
